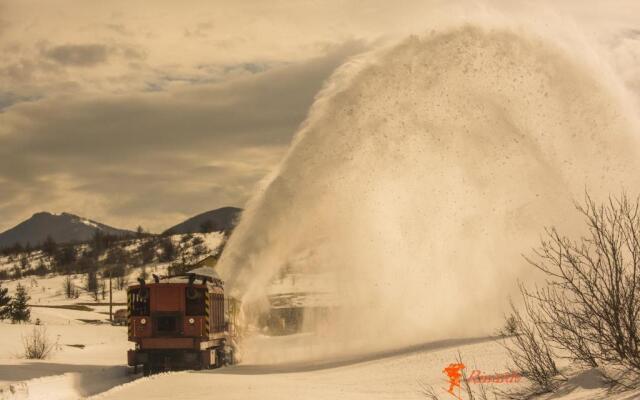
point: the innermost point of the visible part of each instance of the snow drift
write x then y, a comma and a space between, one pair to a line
423, 172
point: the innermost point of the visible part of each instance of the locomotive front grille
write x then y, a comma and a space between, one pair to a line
166, 324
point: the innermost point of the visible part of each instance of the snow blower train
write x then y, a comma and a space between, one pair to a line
182, 322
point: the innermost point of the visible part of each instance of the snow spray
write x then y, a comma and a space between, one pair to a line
422, 174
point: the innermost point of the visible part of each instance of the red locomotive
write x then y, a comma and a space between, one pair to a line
183, 322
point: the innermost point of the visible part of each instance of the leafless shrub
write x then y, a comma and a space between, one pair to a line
428, 392
69, 287
510, 327
529, 352
121, 282
591, 305
589, 308
37, 345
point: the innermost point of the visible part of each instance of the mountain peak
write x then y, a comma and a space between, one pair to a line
63, 228
220, 219
41, 214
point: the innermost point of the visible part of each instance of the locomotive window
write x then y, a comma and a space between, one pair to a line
139, 301
195, 301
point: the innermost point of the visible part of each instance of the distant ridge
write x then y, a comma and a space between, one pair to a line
63, 228
221, 219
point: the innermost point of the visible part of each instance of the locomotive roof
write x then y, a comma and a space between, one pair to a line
207, 272
199, 274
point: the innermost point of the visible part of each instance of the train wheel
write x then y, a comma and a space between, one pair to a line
146, 370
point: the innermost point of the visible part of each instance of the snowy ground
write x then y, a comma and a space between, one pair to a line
398, 374
98, 370
89, 360
88, 357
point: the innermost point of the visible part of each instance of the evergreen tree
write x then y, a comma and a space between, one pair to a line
5, 303
17, 248
168, 250
20, 311
98, 243
49, 247
24, 262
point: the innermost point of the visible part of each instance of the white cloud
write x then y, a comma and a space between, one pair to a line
132, 112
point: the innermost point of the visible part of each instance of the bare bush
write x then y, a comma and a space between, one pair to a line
591, 304
37, 345
529, 352
121, 282
589, 308
510, 327
69, 287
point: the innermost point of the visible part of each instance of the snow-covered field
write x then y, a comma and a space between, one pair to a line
89, 355
99, 369
89, 359
399, 374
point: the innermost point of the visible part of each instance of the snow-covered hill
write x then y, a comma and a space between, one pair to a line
63, 228
221, 219
142, 252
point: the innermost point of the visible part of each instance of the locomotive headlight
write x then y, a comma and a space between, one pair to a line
192, 321
143, 321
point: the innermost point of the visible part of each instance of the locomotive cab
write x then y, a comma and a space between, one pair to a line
182, 322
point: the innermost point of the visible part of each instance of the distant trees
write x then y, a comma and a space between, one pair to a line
168, 250
65, 256
85, 263
101, 253
14, 249
41, 269
49, 247
140, 232
147, 251
119, 273
101, 242
5, 303
97, 243
117, 255
92, 284
69, 287
24, 262
19, 308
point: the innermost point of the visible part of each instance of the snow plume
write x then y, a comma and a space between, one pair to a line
422, 174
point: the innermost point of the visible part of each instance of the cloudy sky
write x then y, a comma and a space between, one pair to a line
133, 112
